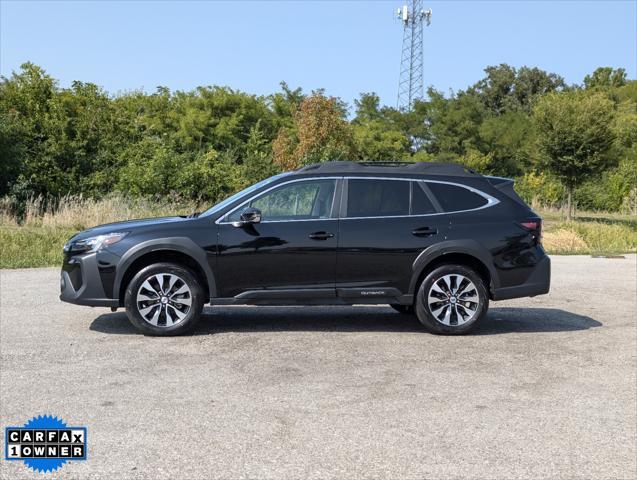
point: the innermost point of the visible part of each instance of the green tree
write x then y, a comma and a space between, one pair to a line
376, 135
575, 136
25, 100
376, 143
205, 142
284, 105
210, 177
606, 77
258, 156
368, 108
454, 123
507, 140
152, 168
506, 89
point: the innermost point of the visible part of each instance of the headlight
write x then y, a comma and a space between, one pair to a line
92, 244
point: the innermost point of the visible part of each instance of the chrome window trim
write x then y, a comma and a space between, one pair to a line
220, 221
491, 201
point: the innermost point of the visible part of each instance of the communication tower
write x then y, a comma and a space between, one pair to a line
411, 82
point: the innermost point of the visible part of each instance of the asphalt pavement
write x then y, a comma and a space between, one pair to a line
546, 387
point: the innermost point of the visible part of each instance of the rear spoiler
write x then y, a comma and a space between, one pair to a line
500, 182
505, 185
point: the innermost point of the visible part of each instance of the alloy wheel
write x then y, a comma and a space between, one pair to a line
453, 300
164, 299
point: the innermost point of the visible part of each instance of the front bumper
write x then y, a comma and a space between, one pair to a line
538, 283
80, 282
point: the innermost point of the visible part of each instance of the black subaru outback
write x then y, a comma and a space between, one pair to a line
433, 239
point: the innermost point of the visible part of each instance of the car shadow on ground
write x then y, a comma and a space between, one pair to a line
356, 319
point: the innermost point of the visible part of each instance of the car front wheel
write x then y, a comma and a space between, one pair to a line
452, 300
164, 299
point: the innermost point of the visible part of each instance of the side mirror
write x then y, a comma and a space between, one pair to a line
249, 216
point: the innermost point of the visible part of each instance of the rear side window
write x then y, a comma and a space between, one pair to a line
453, 198
377, 198
420, 203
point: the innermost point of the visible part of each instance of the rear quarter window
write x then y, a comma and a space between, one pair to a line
453, 198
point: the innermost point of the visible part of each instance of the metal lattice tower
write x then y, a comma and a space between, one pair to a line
411, 82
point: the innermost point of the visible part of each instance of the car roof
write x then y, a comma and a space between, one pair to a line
389, 168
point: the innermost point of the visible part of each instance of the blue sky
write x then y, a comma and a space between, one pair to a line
344, 47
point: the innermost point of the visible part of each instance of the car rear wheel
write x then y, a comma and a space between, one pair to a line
452, 300
404, 309
164, 299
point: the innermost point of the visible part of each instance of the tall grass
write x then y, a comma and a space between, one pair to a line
35, 238
590, 237
26, 247
79, 213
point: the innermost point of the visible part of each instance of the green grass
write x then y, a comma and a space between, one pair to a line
590, 233
23, 247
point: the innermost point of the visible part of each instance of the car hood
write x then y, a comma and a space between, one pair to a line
127, 226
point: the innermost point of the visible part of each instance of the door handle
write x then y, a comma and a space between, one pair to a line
424, 231
321, 235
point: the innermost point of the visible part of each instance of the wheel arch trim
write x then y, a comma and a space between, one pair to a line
182, 245
438, 251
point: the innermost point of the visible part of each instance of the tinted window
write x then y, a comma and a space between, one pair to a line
453, 198
295, 201
377, 198
420, 203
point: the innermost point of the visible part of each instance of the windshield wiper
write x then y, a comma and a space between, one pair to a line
194, 215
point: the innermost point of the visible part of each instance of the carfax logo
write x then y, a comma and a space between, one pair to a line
45, 443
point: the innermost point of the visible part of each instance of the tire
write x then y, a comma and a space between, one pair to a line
172, 308
404, 309
453, 314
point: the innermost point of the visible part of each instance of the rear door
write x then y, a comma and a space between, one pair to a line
385, 224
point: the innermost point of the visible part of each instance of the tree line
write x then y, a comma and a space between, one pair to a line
560, 142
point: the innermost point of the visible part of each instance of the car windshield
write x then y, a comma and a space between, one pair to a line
224, 203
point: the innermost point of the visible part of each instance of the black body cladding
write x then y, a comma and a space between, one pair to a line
335, 233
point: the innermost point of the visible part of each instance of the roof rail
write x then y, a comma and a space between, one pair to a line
385, 163
430, 168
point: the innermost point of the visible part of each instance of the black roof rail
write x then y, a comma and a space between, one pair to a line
385, 163
429, 168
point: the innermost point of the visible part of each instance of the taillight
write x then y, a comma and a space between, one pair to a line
533, 225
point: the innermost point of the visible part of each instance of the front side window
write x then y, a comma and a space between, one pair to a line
377, 198
224, 203
306, 200
453, 198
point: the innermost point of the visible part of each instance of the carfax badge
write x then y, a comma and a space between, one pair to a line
45, 443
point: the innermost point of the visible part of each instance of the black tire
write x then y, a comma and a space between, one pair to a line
404, 309
466, 318
175, 316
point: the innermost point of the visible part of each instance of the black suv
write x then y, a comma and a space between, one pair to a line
435, 239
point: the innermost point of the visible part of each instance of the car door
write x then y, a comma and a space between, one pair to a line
385, 224
291, 252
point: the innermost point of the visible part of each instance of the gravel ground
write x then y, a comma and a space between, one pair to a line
547, 386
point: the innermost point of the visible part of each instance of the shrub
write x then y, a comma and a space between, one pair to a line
210, 178
540, 189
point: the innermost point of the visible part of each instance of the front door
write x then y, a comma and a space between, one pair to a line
292, 248
385, 225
